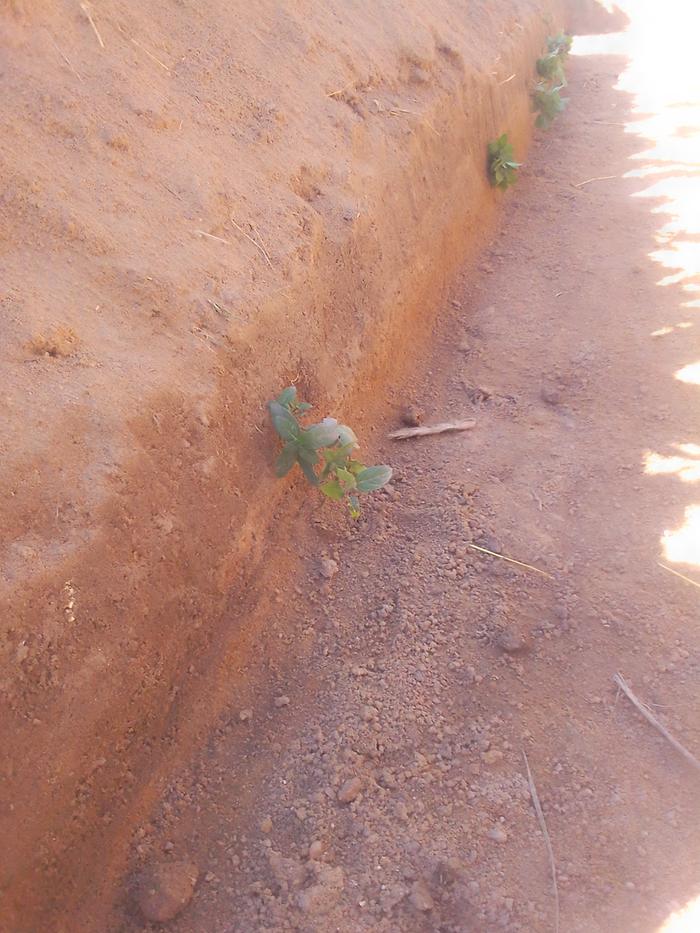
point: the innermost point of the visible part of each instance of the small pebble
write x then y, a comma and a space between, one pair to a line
412, 416
512, 643
421, 897
350, 790
315, 850
498, 834
328, 568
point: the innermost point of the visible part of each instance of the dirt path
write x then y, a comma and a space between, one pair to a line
421, 671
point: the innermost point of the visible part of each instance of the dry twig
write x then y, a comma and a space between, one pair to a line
150, 54
548, 842
651, 718
681, 575
395, 111
255, 243
511, 560
342, 90
64, 57
86, 10
424, 430
597, 178
211, 236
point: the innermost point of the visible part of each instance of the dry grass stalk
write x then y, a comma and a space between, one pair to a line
211, 236
86, 10
150, 55
424, 430
681, 575
64, 57
511, 560
258, 245
597, 178
548, 842
651, 718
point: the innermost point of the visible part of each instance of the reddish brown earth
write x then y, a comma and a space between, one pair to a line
200, 202
368, 772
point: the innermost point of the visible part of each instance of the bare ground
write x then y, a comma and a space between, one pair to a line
422, 670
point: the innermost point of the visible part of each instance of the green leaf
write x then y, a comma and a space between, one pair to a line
332, 489
347, 436
338, 456
307, 455
286, 459
284, 422
286, 398
501, 163
347, 480
308, 470
304, 406
324, 434
373, 478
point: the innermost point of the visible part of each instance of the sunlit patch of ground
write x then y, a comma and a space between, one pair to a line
663, 76
685, 920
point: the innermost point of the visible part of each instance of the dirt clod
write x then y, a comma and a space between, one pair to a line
511, 642
328, 568
316, 850
412, 416
165, 889
350, 790
551, 393
420, 896
498, 833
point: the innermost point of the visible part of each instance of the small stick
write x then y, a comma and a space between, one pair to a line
506, 80
597, 178
260, 241
424, 430
212, 237
254, 242
681, 575
64, 57
397, 110
511, 560
156, 60
650, 718
86, 10
341, 90
548, 842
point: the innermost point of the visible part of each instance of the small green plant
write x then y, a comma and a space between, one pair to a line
548, 103
502, 167
551, 68
559, 44
546, 99
324, 452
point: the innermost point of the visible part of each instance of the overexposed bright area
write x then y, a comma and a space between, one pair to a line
685, 920
662, 76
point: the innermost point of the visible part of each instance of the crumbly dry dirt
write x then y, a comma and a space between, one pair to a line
369, 772
200, 201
